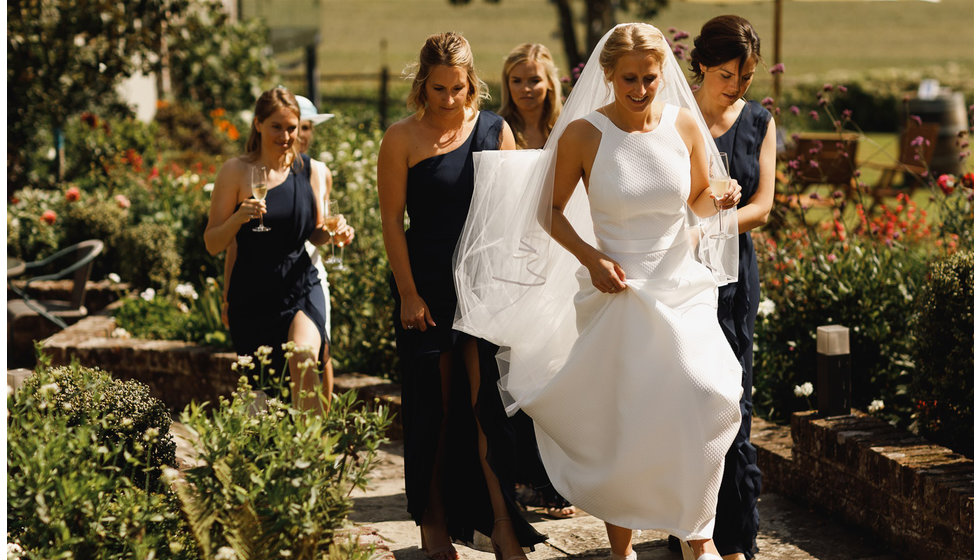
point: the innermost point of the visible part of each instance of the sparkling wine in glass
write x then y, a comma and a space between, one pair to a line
718, 182
260, 187
333, 223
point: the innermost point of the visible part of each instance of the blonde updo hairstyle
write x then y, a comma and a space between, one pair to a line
268, 103
536, 53
445, 49
630, 38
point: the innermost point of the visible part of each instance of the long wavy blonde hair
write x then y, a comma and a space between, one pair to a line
535, 53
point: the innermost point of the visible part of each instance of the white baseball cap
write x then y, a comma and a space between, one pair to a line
308, 112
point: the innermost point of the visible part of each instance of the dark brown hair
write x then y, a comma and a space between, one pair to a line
724, 38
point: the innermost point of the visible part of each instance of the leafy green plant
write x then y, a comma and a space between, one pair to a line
148, 256
83, 455
276, 483
219, 62
942, 350
184, 314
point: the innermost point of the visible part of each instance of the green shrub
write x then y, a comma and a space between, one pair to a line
216, 61
148, 256
84, 456
95, 146
942, 350
94, 218
33, 231
129, 415
276, 483
185, 315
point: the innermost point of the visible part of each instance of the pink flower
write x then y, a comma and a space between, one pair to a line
815, 115
794, 109
767, 101
827, 87
832, 258
917, 119
777, 68
946, 183
49, 217
681, 35
72, 194
842, 89
122, 201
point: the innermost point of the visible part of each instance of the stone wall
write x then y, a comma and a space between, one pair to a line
915, 496
176, 372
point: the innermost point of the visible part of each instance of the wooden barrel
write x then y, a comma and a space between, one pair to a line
949, 112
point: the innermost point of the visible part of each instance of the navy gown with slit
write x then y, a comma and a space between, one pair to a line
273, 278
437, 201
737, 520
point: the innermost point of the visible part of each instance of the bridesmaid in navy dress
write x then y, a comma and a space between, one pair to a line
459, 452
724, 62
273, 293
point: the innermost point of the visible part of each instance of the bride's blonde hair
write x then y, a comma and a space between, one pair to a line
628, 38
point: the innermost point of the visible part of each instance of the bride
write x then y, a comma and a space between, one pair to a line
610, 337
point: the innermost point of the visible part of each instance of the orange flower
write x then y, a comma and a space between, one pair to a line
49, 217
72, 194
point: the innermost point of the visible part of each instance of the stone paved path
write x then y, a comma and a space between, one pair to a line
789, 532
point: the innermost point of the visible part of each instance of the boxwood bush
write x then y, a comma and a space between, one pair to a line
942, 348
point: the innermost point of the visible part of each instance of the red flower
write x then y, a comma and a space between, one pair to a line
49, 217
91, 120
946, 183
968, 180
72, 194
154, 173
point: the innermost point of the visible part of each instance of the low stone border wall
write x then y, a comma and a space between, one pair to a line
176, 372
915, 496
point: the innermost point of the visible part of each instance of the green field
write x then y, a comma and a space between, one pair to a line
819, 37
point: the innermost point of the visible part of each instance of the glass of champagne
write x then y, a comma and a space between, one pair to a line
718, 182
332, 224
260, 186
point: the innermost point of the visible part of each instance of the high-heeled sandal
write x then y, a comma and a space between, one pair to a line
497, 552
447, 552
630, 556
688, 551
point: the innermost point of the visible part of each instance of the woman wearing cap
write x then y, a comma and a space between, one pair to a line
272, 290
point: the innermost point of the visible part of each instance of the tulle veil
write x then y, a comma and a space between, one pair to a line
515, 285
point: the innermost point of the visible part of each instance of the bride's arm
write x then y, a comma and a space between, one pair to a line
579, 142
700, 200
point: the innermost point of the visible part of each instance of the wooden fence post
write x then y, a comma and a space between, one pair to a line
833, 370
383, 98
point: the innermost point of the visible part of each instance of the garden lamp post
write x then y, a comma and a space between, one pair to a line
833, 370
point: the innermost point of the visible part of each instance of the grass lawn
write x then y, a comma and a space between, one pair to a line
819, 37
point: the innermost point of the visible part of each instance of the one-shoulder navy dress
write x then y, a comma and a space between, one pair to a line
737, 520
437, 200
273, 278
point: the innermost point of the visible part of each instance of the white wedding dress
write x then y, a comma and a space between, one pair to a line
634, 423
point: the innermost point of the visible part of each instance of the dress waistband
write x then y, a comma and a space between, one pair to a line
650, 245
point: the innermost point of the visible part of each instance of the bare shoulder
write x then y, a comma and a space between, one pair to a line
580, 131
233, 170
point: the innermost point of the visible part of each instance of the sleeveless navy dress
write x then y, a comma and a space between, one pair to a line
273, 278
737, 520
438, 196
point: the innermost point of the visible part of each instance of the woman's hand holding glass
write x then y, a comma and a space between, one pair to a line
340, 233
259, 184
726, 193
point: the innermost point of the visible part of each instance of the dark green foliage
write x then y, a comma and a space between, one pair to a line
91, 218
942, 350
128, 416
148, 256
189, 130
220, 63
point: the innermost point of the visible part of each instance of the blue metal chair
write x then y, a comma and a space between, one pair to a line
75, 261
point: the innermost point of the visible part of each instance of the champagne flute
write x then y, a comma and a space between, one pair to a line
333, 223
718, 182
260, 186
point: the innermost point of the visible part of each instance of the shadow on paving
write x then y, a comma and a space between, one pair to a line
789, 531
